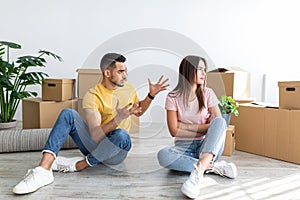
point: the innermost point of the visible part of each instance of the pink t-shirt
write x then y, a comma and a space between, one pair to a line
191, 113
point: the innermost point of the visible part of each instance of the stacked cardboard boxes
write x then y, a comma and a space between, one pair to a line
88, 78
57, 94
271, 131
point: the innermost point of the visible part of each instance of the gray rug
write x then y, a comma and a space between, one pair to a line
15, 140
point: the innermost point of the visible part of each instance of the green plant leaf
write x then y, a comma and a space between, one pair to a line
48, 53
228, 105
11, 44
31, 61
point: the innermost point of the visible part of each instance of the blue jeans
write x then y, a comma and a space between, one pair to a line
185, 154
112, 150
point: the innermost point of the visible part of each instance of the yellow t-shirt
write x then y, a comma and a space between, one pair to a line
104, 101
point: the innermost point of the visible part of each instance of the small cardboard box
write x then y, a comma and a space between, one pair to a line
58, 89
233, 82
229, 141
86, 79
289, 95
43, 114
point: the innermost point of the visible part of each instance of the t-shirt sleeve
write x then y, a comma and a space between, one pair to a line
170, 103
212, 98
90, 101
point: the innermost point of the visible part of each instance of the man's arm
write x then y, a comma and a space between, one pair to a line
154, 89
99, 131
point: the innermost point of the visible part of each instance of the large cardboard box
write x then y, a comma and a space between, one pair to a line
289, 94
229, 141
55, 89
37, 113
233, 82
135, 121
268, 131
86, 79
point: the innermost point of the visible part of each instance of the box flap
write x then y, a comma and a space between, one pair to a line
289, 83
88, 71
228, 70
59, 80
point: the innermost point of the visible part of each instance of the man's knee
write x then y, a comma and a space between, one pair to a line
121, 138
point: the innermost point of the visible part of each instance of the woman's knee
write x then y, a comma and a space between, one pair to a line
218, 121
163, 157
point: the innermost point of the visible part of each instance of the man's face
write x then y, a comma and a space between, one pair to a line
118, 74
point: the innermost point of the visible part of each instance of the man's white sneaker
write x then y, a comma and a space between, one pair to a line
224, 169
33, 180
63, 164
191, 187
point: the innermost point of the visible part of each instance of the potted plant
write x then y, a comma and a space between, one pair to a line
227, 106
15, 76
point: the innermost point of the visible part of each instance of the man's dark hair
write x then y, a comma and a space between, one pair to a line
110, 59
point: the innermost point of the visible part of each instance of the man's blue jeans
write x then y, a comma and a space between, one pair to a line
112, 150
185, 153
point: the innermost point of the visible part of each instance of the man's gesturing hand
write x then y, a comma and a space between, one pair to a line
161, 85
126, 111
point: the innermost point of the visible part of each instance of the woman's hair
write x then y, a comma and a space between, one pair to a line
187, 72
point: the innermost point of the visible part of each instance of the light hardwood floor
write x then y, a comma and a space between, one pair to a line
140, 176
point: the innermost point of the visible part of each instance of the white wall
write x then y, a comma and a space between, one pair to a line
261, 36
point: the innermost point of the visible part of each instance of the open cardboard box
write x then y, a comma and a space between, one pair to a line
231, 81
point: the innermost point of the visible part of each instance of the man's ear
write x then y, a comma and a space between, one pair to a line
107, 73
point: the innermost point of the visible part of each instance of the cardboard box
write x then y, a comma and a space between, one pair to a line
43, 114
229, 141
86, 79
58, 89
249, 128
135, 121
289, 95
233, 82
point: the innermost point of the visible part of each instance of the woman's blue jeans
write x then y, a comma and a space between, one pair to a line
112, 150
185, 154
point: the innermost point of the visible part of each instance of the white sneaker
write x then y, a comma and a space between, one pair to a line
62, 164
191, 187
224, 169
33, 180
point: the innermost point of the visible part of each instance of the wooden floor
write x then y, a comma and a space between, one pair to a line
140, 176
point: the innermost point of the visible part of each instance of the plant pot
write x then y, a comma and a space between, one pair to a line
8, 125
227, 118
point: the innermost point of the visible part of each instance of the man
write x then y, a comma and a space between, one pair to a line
104, 137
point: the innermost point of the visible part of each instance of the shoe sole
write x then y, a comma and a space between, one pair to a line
32, 190
187, 193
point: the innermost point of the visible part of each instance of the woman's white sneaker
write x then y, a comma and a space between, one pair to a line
191, 187
62, 164
33, 180
223, 168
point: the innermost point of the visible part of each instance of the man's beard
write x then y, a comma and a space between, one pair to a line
116, 83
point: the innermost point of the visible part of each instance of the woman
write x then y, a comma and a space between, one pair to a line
194, 119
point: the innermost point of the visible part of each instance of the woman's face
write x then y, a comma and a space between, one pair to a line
201, 73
